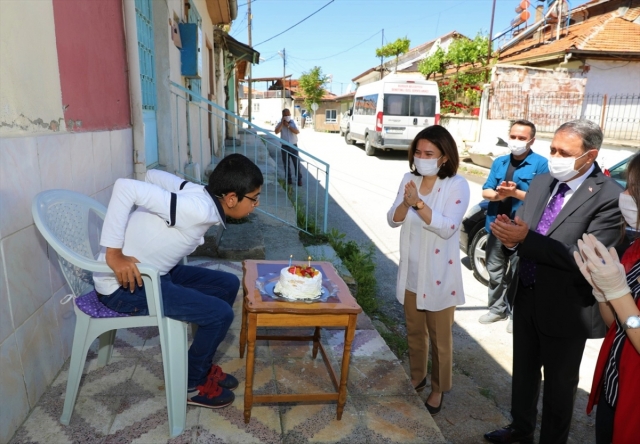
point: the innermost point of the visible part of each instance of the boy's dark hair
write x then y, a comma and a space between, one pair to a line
440, 137
523, 122
235, 174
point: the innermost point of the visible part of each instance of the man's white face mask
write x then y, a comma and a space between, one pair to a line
562, 168
518, 147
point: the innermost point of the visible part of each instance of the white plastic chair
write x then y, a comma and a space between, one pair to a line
71, 222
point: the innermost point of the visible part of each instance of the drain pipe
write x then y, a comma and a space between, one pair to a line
567, 56
135, 89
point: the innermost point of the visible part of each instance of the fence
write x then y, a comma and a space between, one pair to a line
618, 115
204, 133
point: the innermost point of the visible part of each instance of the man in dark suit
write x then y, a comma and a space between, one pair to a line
554, 310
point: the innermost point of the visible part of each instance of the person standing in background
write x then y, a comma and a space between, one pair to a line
505, 189
429, 206
287, 126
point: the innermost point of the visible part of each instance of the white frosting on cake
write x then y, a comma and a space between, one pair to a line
292, 286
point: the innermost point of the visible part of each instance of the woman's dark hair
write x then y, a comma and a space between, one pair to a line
633, 181
441, 138
235, 174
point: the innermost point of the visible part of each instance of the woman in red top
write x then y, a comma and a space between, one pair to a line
616, 286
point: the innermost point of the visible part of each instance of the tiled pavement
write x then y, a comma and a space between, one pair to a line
124, 402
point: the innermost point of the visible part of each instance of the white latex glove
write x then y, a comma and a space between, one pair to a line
582, 266
606, 270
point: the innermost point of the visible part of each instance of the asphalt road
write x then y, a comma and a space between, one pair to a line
362, 189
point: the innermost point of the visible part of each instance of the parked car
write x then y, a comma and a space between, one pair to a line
619, 172
344, 123
473, 236
473, 240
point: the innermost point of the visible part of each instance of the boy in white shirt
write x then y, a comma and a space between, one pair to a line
170, 221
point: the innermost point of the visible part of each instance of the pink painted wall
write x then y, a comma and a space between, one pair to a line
93, 64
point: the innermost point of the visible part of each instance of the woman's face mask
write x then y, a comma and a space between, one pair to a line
427, 167
629, 210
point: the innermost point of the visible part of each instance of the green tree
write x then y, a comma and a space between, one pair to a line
394, 49
478, 48
433, 64
458, 52
312, 84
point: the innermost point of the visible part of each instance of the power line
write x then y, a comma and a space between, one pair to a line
291, 27
245, 4
342, 52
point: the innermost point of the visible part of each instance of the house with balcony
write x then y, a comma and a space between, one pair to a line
92, 92
597, 42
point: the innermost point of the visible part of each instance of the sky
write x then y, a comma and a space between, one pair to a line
342, 37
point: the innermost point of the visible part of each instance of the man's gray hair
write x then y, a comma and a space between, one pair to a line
589, 132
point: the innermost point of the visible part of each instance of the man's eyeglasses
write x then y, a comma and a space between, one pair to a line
255, 200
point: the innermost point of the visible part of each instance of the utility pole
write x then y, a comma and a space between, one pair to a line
381, 72
493, 11
251, 62
284, 65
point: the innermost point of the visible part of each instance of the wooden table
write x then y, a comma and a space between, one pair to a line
260, 310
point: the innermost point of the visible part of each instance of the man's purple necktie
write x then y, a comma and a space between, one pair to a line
527, 266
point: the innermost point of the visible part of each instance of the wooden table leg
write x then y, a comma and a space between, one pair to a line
316, 342
349, 334
243, 330
248, 388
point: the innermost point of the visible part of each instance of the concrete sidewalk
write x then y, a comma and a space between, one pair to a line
124, 402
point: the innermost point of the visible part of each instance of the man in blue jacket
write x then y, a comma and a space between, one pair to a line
505, 189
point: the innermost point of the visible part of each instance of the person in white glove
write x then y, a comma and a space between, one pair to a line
616, 286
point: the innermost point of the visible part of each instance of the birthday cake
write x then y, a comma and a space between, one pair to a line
299, 282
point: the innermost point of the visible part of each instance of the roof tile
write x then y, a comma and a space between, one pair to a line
607, 32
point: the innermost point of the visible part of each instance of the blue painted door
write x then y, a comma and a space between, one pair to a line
146, 54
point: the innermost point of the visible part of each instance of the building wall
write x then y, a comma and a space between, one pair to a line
320, 123
92, 62
36, 332
30, 90
266, 112
38, 151
183, 154
606, 77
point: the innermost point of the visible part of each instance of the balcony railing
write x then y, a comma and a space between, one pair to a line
205, 132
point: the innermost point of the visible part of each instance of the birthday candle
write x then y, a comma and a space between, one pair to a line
309, 260
290, 257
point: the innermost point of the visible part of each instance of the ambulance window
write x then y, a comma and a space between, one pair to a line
396, 105
423, 106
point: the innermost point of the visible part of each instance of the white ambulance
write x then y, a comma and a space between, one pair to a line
388, 114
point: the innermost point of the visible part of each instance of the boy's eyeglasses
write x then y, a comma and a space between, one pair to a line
255, 200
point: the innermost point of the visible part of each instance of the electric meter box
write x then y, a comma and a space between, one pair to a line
191, 51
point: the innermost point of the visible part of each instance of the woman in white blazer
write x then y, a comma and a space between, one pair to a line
431, 202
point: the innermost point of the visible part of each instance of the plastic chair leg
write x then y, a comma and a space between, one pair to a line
105, 349
81, 344
173, 341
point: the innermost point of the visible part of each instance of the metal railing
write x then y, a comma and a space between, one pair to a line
277, 94
204, 133
618, 115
